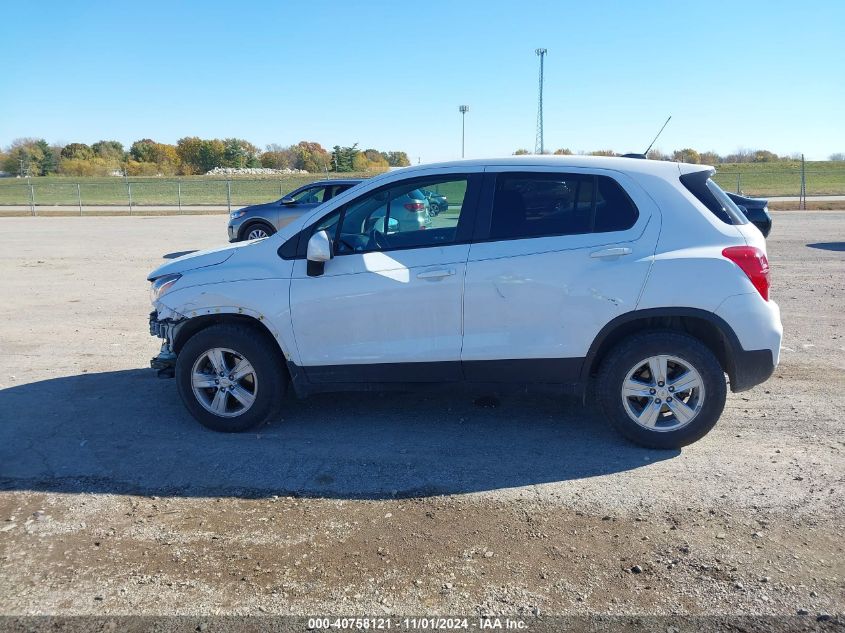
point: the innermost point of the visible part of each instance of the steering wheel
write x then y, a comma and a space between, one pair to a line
345, 246
377, 238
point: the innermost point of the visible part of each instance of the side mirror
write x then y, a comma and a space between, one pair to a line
392, 226
288, 200
318, 253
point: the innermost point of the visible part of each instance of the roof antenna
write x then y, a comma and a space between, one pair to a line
648, 149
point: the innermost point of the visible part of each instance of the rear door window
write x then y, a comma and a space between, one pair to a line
336, 190
543, 204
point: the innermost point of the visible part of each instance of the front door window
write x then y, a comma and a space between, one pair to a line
404, 216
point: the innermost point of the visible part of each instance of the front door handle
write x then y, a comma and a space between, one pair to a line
611, 252
436, 274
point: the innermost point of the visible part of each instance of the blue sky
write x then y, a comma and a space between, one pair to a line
391, 75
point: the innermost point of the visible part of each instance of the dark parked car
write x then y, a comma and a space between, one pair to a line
261, 220
756, 210
437, 202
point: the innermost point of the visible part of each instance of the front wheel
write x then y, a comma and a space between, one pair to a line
661, 389
229, 378
258, 231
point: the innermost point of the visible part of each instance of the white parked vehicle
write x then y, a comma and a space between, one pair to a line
635, 283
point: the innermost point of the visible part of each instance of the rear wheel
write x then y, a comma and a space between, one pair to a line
229, 378
258, 230
661, 389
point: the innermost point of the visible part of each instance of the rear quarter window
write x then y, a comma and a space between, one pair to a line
711, 195
615, 211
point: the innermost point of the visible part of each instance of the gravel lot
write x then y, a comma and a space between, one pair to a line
114, 501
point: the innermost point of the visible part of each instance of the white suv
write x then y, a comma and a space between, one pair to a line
636, 282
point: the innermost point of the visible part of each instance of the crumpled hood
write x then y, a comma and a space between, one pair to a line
200, 259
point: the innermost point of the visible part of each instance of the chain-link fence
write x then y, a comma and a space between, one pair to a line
782, 182
191, 195
120, 195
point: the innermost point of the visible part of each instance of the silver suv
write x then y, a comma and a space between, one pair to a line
261, 220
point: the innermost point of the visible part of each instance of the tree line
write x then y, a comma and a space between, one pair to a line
689, 155
190, 155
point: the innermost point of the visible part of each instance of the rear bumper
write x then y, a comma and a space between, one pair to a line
751, 368
758, 329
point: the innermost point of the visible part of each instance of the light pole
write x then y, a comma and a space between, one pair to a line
463, 109
538, 142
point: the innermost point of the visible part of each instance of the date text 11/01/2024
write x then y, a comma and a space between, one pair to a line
417, 624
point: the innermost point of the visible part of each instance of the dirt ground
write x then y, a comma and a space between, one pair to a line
114, 501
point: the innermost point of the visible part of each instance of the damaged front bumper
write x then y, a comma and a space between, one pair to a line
165, 362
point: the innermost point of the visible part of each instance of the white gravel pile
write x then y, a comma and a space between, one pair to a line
252, 171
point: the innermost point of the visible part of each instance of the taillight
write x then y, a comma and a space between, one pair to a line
753, 263
415, 207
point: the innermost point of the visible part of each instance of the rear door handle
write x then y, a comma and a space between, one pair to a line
611, 252
436, 274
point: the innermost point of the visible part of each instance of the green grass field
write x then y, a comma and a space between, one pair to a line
756, 179
194, 190
783, 179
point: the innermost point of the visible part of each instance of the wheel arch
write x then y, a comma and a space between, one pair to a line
248, 226
713, 331
187, 328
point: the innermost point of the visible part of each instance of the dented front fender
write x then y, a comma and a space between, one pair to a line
235, 298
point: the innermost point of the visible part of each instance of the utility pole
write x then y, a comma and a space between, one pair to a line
802, 198
538, 141
463, 109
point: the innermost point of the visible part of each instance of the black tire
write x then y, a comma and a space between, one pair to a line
266, 227
261, 352
636, 348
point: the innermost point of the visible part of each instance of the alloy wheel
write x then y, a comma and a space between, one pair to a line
224, 382
663, 393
